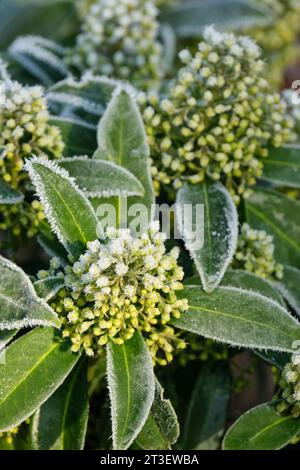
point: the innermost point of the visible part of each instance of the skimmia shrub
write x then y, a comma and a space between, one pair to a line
129, 324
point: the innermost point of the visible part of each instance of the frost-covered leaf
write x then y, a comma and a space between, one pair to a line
219, 223
238, 317
161, 428
122, 140
282, 166
279, 215
9, 195
250, 281
48, 287
207, 410
36, 364
55, 19
68, 211
20, 307
261, 428
79, 137
189, 18
131, 388
84, 100
40, 57
100, 178
289, 287
244, 280
61, 422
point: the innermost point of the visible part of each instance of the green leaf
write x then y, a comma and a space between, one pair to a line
244, 280
261, 428
84, 100
238, 317
36, 365
47, 288
61, 422
220, 229
131, 389
19, 305
40, 57
280, 217
282, 166
190, 18
55, 19
99, 178
161, 428
79, 137
9, 195
250, 281
207, 411
289, 287
122, 140
68, 211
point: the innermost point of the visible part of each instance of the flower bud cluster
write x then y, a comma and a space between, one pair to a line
21, 218
121, 285
201, 349
24, 130
85, 5
255, 253
290, 386
218, 117
119, 38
